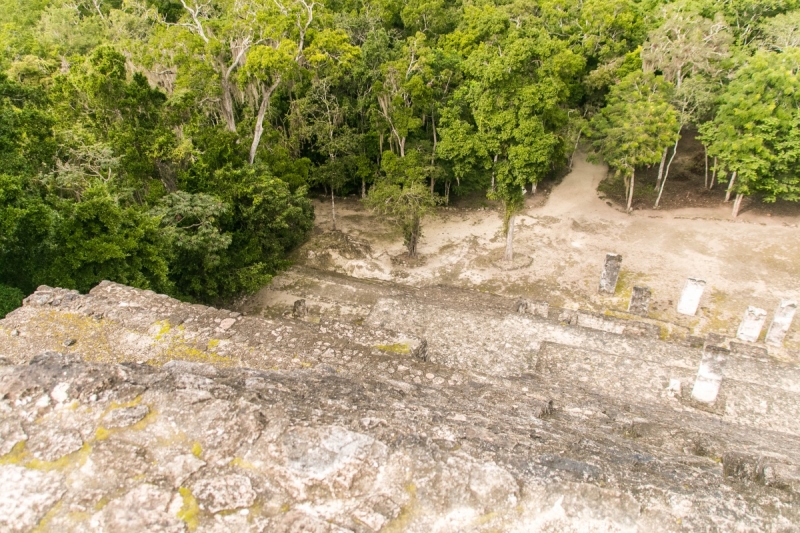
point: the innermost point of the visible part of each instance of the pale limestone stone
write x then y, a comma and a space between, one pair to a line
690, 297
224, 492
611, 267
752, 322
709, 375
781, 322
142, 509
26, 496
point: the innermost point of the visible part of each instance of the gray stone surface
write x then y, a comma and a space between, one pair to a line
124, 417
690, 297
752, 322
281, 450
516, 422
144, 508
223, 493
640, 301
610, 274
781, 322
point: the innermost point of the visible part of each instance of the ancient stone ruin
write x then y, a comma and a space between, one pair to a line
352, 405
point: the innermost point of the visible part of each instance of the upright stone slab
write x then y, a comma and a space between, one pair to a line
690, 298
781, 322
751, 325
640, 301
608, 280
709, 376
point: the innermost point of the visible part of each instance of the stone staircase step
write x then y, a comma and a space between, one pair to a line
115, 323
504, 343
760, 406
738, 402
337, 295
614, 375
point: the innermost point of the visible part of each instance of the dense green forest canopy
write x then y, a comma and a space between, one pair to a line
171, 144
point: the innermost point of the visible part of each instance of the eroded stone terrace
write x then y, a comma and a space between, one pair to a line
126, 410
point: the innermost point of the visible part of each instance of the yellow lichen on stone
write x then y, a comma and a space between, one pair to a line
197, 450
399, 348
44, 523
180, 349
115, 405
101, 434
164, 328
144, 422
16, 456
241, 463
190, 510
407, 512
93, 342
486, 518
73, 460
102, 502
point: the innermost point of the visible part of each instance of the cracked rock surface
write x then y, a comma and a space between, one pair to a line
165, 416
247, 450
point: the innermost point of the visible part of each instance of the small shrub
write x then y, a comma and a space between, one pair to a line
10, 299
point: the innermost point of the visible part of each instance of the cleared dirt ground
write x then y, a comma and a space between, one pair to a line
561, 240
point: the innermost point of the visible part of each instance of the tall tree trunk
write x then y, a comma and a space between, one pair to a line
402, 143
730, 188
433, 151
227, 105
363, 188
509, 255
661, 167
666, 171
705, 151
736, 204
413, 237
266, 94
630, 195
494, 165
533, 188
572, 155
447, 192
713, 174
333, 208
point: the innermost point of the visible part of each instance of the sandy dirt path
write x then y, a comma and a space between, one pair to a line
561, 243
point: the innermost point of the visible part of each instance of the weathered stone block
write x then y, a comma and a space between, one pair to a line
751, 325
537, 308
709, 376
608, 279
299, 309
690, 298
781, 322
640, 301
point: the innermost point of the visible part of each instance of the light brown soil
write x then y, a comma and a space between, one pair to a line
752, 260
